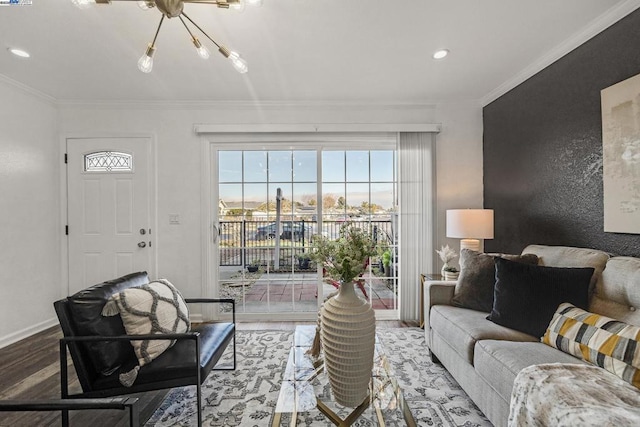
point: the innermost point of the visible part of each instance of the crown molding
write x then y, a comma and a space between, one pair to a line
598, 25
203, 128
245, 105
27, 89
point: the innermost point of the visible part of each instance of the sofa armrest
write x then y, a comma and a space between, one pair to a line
436, 292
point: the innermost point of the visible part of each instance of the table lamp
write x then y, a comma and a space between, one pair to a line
470, 225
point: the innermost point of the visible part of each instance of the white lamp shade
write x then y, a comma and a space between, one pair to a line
470, 223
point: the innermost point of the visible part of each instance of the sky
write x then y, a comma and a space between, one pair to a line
355, 175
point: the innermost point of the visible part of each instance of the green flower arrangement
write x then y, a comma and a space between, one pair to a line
346, 258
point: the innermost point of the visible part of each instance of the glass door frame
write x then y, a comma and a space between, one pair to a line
213, 143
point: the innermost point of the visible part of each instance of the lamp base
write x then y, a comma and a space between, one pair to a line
472, 244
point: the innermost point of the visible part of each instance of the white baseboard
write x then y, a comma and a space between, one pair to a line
195, 317
27, 332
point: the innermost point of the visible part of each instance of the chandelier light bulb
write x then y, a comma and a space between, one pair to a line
174, 9
238, 62
203, 52
146, 5
145, 63
83, 4
238, 6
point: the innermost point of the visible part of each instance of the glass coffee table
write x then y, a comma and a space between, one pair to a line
305, 389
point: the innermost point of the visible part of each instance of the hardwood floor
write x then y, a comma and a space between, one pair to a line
29, 369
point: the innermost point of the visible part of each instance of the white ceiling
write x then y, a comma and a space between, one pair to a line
298, 50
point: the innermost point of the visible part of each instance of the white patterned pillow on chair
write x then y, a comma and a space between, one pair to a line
154, 308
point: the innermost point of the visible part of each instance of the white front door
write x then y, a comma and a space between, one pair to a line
108, 202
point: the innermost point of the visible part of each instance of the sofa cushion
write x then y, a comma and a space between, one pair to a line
474, 288
498, 362
601, 340
526, 296
462, 328
86, 308
617, 295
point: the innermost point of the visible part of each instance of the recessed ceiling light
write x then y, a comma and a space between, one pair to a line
19, 52
439, 54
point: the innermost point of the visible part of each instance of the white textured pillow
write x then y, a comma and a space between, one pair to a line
154, 308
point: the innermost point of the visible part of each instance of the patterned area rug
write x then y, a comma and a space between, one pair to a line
247, 396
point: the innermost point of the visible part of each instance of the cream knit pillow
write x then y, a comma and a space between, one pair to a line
154, 308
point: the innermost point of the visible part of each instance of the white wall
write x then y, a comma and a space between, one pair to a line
459, 157
459, 164
30, 226
31, 263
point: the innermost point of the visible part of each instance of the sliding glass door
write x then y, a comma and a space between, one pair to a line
270, 204
359, 187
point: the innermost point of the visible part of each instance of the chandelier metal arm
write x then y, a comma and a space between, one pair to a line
175, 8
153, 43
220, 3
202, 31
185, 26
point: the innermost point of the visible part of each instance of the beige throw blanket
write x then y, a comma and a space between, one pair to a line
572, 395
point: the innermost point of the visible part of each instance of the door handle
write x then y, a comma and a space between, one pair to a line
142, 245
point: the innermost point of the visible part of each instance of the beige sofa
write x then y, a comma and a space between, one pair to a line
485, 358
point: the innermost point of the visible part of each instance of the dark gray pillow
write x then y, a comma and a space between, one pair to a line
477, 279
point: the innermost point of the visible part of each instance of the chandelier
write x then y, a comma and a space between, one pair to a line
174, 9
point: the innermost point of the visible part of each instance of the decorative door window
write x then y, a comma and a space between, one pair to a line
108, 161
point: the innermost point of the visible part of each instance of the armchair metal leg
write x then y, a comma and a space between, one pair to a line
199, 399
198, 382
234, 351
134, 413
64, 386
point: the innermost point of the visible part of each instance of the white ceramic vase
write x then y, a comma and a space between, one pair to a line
348, 328
444, 268
449, 275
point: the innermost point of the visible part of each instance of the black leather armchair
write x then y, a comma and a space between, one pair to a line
123, 404
100, 348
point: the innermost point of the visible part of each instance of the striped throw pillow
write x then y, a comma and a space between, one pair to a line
600, 340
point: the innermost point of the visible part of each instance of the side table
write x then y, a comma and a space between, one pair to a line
424, 278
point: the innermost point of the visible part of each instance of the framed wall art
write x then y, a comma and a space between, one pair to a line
621, 156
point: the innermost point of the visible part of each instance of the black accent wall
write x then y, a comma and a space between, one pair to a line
543, 149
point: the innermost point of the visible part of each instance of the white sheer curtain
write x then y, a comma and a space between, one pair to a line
416, 191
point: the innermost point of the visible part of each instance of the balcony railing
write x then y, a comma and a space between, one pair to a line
248, 242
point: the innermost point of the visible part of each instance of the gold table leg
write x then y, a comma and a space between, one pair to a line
276, 419
380, 417
351, 418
